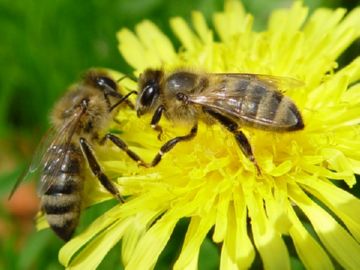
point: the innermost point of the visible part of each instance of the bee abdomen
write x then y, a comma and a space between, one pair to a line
288, 116
61, 202
62, 209
63, 225
62, 213
272, 111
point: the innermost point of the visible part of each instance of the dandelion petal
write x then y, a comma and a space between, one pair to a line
335, 238
269, 243
310, 252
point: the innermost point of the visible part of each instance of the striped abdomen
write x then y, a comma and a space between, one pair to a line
258, 106
61, 203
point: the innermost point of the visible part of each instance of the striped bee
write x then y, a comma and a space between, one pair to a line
234, 100
66, 149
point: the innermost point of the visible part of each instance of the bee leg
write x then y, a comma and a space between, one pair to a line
130, 104
123, 146
171, 143
123, 99
245, 147
96, 169
155, 121
240, 137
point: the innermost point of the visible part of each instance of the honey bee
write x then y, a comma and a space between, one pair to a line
62, 156
234, 100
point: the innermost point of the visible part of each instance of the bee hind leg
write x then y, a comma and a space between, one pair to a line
240, 137
97, 171
245, 147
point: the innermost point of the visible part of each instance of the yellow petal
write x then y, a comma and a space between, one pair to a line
221, 217
347, 31
334, 237
355, 165
201, 27
231, 248
276, 207
343, 204
68, 251
323, 22
268, 242
183, 32
245, 251
310, 252
133, 234
41, 222
232, 21
285, 22
131, 49
352, 20
93, 253
158, 45
149, 48
237, 251
328, 94
321, 29
338, 162
197, 230
352, 71
352, 94
153, 242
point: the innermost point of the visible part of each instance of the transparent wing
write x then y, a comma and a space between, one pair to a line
44, 154
36, 160
41, 149
232, 94
53, 158
281, 83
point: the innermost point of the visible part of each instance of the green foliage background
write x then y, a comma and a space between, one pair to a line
44, 47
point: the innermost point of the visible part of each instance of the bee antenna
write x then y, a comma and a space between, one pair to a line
124, 99
126, 76
121, 78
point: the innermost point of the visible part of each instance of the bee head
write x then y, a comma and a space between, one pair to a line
149, 91
102, 81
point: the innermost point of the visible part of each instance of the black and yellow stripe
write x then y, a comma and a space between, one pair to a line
61, 203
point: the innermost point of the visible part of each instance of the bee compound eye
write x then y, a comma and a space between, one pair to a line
105, 82
148, 95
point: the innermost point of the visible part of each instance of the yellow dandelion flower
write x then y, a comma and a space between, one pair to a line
208, 180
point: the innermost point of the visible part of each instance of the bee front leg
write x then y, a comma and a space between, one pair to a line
156, 119
171, 143
240, 137
97, 171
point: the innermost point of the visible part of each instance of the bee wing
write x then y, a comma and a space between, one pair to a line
227, 92
281, 83
36, 160
54, 156
43, 153
41, 149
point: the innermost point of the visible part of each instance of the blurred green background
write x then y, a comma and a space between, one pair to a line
44, 47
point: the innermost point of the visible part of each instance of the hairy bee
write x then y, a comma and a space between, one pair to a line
76, 119
232, 99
